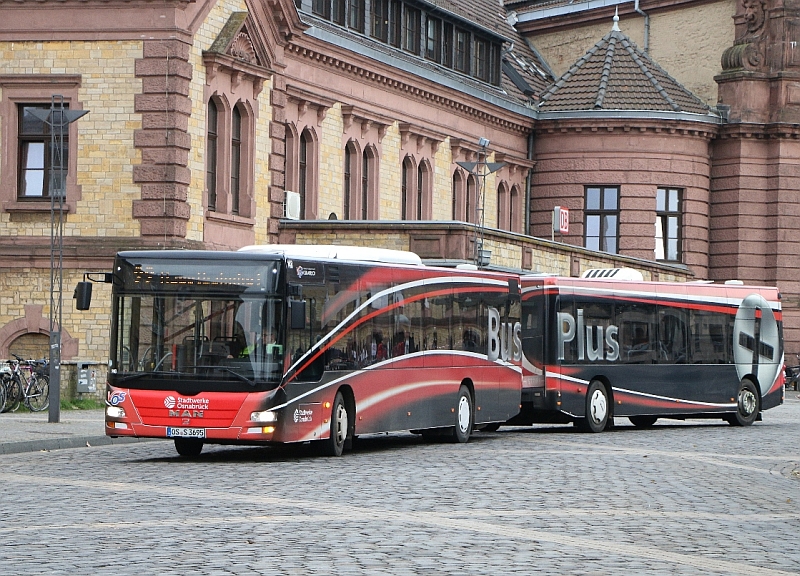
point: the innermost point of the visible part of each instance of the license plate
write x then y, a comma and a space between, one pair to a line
186, 432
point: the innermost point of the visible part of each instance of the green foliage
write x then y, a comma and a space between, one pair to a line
82, 404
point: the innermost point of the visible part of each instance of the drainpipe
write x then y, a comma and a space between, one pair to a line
646, 26
527, 219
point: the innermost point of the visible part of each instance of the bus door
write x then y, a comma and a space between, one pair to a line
533, 339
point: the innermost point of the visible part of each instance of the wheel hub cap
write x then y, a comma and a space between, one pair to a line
463, 414
598, 406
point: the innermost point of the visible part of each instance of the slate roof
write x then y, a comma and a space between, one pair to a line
488, 15
616, 75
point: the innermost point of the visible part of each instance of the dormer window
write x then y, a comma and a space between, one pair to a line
407, 25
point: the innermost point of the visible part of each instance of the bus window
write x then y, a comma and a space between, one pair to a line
467, 324
533, 329
673, 336
711, 337
638, 333
598, 317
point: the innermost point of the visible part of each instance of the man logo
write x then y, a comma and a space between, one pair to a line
169, 402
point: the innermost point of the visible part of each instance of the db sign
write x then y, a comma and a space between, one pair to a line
560, 220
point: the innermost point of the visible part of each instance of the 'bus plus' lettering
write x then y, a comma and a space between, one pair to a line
504, 339
594, 342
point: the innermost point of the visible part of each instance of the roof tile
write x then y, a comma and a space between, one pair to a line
615, 75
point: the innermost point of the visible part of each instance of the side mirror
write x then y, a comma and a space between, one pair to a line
83, 295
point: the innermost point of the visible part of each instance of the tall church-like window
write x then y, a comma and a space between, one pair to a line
211, 155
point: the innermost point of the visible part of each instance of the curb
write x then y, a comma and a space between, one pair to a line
64, 443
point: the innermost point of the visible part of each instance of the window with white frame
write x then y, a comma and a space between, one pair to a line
601, 217
668, 224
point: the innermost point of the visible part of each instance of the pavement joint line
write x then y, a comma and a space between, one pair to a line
432, 519
62, 443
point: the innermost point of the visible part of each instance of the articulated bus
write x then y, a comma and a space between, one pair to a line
291, 344
599, 348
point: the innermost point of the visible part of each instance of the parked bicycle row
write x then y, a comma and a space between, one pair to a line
24, 383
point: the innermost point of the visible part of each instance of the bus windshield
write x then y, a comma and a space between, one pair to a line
205, 338
218, 336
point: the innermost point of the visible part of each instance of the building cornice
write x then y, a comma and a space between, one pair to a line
90, 20
643, 125
416, 91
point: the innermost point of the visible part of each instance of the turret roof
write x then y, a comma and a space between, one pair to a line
616, 75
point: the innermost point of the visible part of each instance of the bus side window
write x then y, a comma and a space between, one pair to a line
672, 336
638, 333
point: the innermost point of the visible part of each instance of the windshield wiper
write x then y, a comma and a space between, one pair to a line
252, 383
137, 375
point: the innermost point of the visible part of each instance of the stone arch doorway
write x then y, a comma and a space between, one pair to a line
32, 331
32, 346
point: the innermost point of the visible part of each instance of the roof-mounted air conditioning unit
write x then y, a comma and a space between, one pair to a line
291, 205
613, 274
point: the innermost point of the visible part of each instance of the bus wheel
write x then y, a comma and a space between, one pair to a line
464, 418
596, 408
334, 446
643, 421
189, 447
748, 405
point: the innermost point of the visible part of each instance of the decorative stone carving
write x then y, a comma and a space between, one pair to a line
242, 48
755, 13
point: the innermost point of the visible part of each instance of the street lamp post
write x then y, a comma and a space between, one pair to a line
58, 118
481, 169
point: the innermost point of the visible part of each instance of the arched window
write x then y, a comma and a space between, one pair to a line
302, 172
458, 196
236, 158
369, 184
420, 189
503, 207
471, 198
349, 156
211, 155
516, 210
405, 208
424, 190
365, 176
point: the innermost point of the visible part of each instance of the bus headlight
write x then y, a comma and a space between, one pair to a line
115, 412
264, 416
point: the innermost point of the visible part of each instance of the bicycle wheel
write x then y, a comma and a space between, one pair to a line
2, 396
13, 394
37, 397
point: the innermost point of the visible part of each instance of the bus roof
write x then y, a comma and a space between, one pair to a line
334, 252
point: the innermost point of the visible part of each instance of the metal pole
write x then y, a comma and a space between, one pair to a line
57, 190
58, 118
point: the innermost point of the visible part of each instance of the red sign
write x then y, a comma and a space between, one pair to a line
561, 220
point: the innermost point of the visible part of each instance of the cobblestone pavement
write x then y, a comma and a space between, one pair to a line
681, 498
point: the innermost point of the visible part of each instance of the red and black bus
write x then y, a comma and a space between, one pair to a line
599, 348
288, 344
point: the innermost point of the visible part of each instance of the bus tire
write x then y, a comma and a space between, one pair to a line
464, 416
334, 446
748, 404
643, 421
597, 408
188, 447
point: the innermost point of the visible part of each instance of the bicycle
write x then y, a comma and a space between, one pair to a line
32, 390
793, 375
